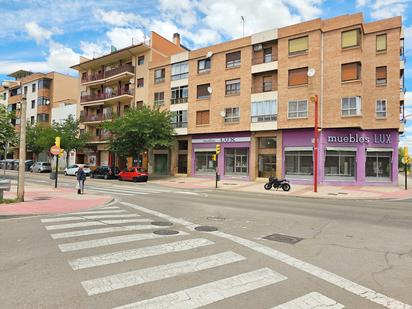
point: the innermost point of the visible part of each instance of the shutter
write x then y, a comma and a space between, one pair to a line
298, 77
202, 90
381, 42
350, 38
205, 119
381, 72
350, 71
233, 56
298, 45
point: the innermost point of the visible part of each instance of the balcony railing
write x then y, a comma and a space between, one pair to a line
264, 88
101, 137
97, 117
105, 96
102, 75
179, 124
265, 59
264, 118
178, 100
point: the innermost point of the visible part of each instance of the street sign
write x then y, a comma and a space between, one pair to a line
54, 150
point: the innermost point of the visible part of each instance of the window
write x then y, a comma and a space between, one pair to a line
179, 95
264, 111
381, 42
267, 83
43, 101
139, 104
202, 117
204, 165
298, 163
33, 104
179, 119
381, 108
267, 142
140, 60
203, 65
159, 98
233, 60
378, 165
203, 91
32, 120
298, 77
351, 38
98, 131
183, 144
25, 90
33, 87
351, 106
350, 71
297, 109
340, 164
180, 70
298, 45
140, 82
232, 86
232, 114
267, 55
159, 75
381, 76
43, 117
236, 161
4, 95
45, 83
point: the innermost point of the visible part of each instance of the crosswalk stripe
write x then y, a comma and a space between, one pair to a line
110, 207
101, 242
311, 301
117, 191
97, 212
62, 219
134, 254
136, 277
125, 228
93, 223
212, 292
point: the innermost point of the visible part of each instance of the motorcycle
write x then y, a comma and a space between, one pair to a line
275, 183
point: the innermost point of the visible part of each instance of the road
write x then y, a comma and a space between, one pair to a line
144, 250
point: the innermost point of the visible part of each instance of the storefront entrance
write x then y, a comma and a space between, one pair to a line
160, 164
182, 164
236, 161
204, 165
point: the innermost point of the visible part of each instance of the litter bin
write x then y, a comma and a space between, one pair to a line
53, 175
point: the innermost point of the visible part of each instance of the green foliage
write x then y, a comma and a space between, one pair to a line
39, 138
138, 130
69, 130
401, 153
7, 132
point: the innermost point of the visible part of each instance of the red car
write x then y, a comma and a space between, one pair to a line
134, 174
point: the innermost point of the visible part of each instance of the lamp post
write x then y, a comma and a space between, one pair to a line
314, 100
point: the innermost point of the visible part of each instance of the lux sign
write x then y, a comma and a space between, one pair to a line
221, 140
377, 139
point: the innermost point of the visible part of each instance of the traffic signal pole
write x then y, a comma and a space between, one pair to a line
57, 171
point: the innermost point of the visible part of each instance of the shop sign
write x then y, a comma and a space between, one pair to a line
356, 139
221, 140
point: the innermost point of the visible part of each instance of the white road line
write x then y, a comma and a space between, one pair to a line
212, 292
318, 272
116, 191
105, 230
134, 254
311, 301
187, 192
109, 207
93, 223
62, 219
101, 242
97, 212
136, 277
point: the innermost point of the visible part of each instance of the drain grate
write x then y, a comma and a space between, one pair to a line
283, 238
165, 232
205, 228
161, 223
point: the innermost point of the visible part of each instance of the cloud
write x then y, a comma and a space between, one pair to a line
93, 50
116, 18
380, 9
123, 37
9, 66
38, 33
61, 58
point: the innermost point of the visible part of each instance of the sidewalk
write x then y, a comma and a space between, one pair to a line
334, 192
41, 199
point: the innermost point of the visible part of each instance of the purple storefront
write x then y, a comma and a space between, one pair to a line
346, 156
233, 160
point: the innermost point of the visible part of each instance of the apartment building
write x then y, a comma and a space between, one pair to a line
252, 97
111, 84
43, 93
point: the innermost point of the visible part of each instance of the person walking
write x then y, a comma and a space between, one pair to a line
81, 178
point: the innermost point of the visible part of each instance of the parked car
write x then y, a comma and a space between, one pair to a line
27, 165
134, 174
71, 170
105, 172
9, 164
41, 167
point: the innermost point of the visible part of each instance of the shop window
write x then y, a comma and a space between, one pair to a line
381, 43
202, 117
179, 119
179, 95
350, 71
232, 114
381, 77
298, 77
297, 109
203, 91
204, 65
159, 98
298, 46
264, 111
232, 86
236, 161
159, 75
298, 163
340, 164
381, 108
233, 60
180, 70
351, 38
267, 142
266, 165
378, 165
204, 165
351, 106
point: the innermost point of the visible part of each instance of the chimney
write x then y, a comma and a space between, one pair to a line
176, 39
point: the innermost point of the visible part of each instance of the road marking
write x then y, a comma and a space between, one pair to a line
187, 192
141, 276
93, 223
316, 271
97, 212
116, 191
311, 301
212, 292
109, 207
134, 254
126, 228
101, 242
62, 219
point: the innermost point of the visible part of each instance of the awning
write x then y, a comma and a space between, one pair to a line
205, 149
341, 148
380, 149
299, 148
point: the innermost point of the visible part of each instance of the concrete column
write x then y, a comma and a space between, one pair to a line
189, 156
173, 158
279, 154
253, 168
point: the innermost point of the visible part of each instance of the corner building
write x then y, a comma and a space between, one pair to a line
251, 96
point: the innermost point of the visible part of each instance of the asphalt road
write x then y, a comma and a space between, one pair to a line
333, 253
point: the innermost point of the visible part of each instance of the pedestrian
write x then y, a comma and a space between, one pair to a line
81, 177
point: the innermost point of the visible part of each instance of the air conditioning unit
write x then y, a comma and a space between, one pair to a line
257, 47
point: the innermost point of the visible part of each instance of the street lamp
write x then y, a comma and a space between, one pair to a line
22, 147
314, 100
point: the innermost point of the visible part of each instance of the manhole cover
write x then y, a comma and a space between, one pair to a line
206, 228
165, 232
161, 223
283, 238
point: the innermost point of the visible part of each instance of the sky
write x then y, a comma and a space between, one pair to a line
50, 35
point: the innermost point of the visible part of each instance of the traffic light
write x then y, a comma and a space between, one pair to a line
217, 149
213, 157
406, 152
61, 153
57, 141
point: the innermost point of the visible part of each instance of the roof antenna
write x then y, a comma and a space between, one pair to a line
243, 24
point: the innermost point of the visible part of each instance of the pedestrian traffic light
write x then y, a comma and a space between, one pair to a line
213, 157
217, 149
57, 141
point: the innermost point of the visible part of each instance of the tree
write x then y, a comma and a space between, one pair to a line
138, 130
39, 138
7, 132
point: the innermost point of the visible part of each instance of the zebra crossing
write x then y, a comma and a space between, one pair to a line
139, 190
106, 220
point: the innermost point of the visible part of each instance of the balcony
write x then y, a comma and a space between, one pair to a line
120, 72
15, 99
178, 100
43, 109
102, 138
266, 87
179, 124
96, 117
120, 95
264, 64
263, 122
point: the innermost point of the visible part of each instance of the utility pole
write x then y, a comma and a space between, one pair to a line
22, 149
